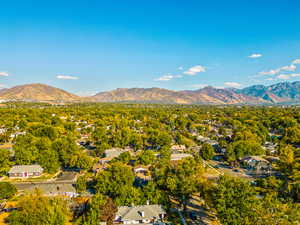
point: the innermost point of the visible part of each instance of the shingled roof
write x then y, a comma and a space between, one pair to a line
26, 168
137, 213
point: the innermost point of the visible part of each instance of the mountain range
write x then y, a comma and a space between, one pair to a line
285, 92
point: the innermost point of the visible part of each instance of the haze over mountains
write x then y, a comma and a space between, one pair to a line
286, 92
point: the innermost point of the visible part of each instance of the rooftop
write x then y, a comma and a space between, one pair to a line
26, 168
143, 212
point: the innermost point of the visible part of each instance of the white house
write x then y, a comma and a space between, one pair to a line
25, 171
143, 214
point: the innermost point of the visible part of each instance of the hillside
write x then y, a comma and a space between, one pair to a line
276, 93
207, 95
286, 92
36, 92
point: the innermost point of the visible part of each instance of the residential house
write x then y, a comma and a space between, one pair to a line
143, 214
270, 147
178, 148
257, 163
16, 134
51, 189
180, 156
114, 152
25, 171
142, 173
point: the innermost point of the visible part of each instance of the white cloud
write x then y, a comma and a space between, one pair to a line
288, 68
270, 79
295, 75
232, 84
66, 77
180, 68
168, 77
271, 72
194, 70
255, 55
165, 78
283, 77
199, 85
4, 74
296, 61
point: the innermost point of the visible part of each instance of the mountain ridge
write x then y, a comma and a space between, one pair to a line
256, 94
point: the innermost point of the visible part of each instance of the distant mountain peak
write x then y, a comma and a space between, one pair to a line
256, 94
37, 92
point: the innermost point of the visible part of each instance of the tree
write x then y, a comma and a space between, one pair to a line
46, 131
207, 151
81, 184
152, 194
35, 209
116, 182
81, 160
234, 201
147, 157
292, 135
25, 151
100, 209
124, 157
180, 181
5, 161
7, 190
65, 147
287, 159
239, 149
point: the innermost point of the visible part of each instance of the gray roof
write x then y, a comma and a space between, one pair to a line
135, 212
180, 156
114, 152
26, 168
48, 189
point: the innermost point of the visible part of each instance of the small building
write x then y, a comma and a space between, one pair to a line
143, 214
142, 173
270, 147
105, 160
180, 156
257, 163
114, 152
50, 189
25, 171
140, 169
16, 134
178, 148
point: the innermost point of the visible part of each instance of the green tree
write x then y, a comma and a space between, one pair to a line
35, 209
5, 161
7, 190
116, 182
81, 184
235, 201
207, 151
100, 209
81, 160
146, 157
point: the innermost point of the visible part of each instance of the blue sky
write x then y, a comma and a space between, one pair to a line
86, 46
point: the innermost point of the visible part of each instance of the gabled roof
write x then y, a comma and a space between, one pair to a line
180, 156
26, 168
135, 212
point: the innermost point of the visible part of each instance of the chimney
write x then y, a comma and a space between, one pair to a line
142, 213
